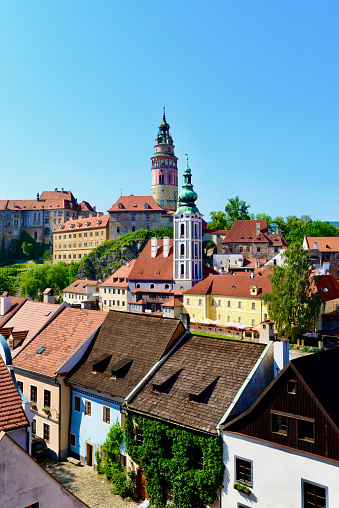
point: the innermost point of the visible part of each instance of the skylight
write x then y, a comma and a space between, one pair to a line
48, 313
41, 350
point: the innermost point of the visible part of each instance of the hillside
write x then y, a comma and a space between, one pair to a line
110, 255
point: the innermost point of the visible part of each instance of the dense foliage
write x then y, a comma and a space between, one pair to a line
293, 304
123, 480
166, 456
39, 277
292, 227
7, 282
23, 248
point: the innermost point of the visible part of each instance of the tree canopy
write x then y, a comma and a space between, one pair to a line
235, 209
7, 283
293, 304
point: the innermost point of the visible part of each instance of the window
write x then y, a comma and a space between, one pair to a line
279, 424
139, 438
239, 305
292, 386
76, 403
243, 471
239, 320
258, 249
228, 303
306, 431
88, 407
47, 398
253, 305
72, 439
34, 426
197, 458
21, 386
219, 303
46, 432
314, 496
252, 322
106, 414
200, 301
34, 394
187, 301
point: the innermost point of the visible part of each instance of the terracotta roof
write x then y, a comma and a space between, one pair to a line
79, 286
84, 224
252, 261
57, 194
86, 207
231, 285
137, 341
17, 302
31, 316
211, 370
60, 339
121, 273
172, 303
12, 416
327, 287
31, 204
244, 231
136, 204
158, 268
324, 243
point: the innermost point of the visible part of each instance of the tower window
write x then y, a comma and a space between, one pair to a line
196, 230
182, 269
182, 250
182, 229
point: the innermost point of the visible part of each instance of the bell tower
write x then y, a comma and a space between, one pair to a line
164, 181
187, 237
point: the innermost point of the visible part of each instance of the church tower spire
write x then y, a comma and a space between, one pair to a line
164, 181
187, 237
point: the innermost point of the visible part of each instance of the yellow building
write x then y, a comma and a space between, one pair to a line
229, 300
113, 292
76, 238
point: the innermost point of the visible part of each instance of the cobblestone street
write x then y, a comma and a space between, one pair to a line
84, 482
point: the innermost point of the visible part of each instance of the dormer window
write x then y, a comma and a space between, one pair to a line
146, 205
78, 224
120, 368
254, 291
120, 205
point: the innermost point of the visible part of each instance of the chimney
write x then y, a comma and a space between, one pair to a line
315, 245
5, 303
266, 331
281, 354
276, 230
56, 189
166, 246
185, 319
154, 241
49, 296
257, 226
37, 197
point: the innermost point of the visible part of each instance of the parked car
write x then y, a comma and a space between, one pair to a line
39, 448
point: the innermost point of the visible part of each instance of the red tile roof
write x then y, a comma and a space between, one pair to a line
17, 302
121, 273
172, 303
61, 338
324, 243
158, 268
79, 286
12, 415
82, 224
327, 287
86, 207
136, 204
245, 231
231, 285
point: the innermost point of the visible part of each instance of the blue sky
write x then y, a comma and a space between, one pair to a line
250, 87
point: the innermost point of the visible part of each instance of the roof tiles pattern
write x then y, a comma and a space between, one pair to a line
158, 268
245, 231
12, 415
136, 203
232, 285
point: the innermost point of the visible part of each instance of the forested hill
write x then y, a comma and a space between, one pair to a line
110, 255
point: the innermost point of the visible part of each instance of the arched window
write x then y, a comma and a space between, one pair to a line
35, 235
196, 275
182, 270
196, 250
182, 229
151, 286
166, 286
182, 250
47, 231
161, 179
137, 286
196, 231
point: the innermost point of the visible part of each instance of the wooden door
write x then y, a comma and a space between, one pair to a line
141, 484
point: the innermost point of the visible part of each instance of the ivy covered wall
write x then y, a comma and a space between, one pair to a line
168, 456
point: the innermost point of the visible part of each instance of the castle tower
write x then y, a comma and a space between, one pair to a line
187, 234
164, 186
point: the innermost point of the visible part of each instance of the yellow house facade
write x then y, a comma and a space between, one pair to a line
114, 290
228, 299
76, 238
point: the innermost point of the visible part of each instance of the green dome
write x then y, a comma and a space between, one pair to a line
187, 196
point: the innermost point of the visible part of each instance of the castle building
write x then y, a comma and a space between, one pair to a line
132, 213
187, 258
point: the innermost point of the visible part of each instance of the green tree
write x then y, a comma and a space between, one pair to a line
236, 210
39, 277
7, 283
218, 220
293, 304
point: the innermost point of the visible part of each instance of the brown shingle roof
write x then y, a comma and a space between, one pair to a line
244, 231
141, 338
12, 416
136, 204
61, 338
158, 268
214, 369
79, 286
231, 285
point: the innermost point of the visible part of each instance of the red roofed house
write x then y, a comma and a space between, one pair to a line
132, 213
322, 249
113, 291
82, 294
41, 215
252, 239
41, 367
76, 238
229, 300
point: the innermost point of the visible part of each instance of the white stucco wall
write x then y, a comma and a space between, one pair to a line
276, 475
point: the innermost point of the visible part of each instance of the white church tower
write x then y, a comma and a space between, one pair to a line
187, 234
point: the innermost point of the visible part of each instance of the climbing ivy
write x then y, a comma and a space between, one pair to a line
166, 458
